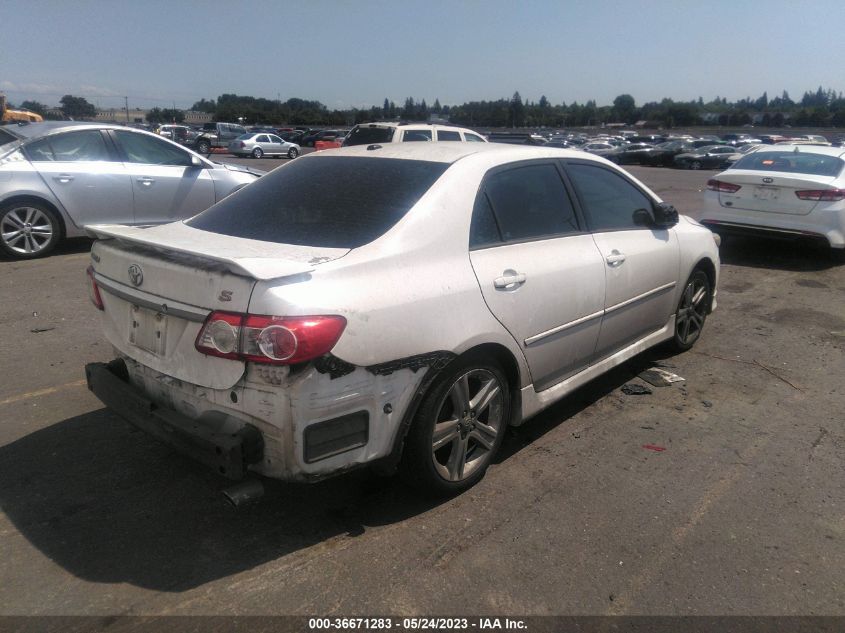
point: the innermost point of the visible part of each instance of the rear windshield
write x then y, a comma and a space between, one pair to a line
330, 201
368, 135
792, 162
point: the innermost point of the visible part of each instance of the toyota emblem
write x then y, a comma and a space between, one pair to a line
136, 275
768, 180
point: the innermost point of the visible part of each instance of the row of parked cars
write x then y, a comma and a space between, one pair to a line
686, 152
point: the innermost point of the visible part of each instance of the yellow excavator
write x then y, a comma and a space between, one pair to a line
7, 115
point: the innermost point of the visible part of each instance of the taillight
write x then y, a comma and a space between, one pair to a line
722, 186
94, 290
241, 144
268, 339
823, 195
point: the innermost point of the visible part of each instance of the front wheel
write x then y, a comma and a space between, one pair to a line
458, 428
28, 230
293, 153
203, 147
695, 164
692, 311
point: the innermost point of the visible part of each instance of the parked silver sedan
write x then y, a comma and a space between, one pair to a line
391, 305
258, 144
58, 177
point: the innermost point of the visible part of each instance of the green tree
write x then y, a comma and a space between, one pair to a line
624, 107
77, 107
173, 116
204, 105
34, 106
516, 111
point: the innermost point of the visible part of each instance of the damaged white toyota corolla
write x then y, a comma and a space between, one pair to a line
396, 305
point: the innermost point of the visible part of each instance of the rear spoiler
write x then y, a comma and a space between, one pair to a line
256, 259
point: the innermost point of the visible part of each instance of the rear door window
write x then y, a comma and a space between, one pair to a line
448, 135
473, 138
87, 145
329, 201
416, 135
528, 203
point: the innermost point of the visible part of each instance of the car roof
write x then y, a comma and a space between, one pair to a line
452, 152
411, 126
36, 130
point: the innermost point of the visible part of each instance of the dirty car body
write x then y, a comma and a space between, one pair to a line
446, 292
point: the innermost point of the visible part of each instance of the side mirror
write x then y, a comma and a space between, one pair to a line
665, 215
196, 161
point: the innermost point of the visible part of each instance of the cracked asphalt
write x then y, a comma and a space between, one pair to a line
743, 513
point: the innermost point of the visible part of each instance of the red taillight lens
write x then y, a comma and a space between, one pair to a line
94, 290
722, 187
241, 144
269, 339
824, 195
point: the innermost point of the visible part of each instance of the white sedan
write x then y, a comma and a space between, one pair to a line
393, 305
781, 190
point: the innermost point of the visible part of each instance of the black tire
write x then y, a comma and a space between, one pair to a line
257, 152
293, 153
38, 226
694, 164
428, 468
203, 147
691, 312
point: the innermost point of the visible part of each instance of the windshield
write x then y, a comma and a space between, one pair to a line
368, 135
334, 202
792, 162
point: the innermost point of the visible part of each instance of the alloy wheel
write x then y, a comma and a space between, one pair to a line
26, 230
692, 311
469, 420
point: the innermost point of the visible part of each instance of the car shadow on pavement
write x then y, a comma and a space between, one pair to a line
788, 255
109, 504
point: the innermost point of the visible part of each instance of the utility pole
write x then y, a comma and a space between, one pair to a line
126, 107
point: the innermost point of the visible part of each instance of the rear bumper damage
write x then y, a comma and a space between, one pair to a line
228, 453
304, 425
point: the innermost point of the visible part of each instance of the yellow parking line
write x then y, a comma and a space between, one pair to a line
41, 392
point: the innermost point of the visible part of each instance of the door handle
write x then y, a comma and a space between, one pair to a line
509, 278
63, 178
615, 258
146, 181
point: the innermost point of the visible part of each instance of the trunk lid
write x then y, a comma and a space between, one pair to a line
159, 284
771, 192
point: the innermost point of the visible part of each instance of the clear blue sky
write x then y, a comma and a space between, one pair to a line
346, 53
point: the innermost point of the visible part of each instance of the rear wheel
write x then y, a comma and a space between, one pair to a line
692, 311
695, 164
203, 146
28, 230
257, 152
458, 428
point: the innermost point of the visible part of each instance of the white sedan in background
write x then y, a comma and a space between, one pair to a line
398, 304
781, 190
